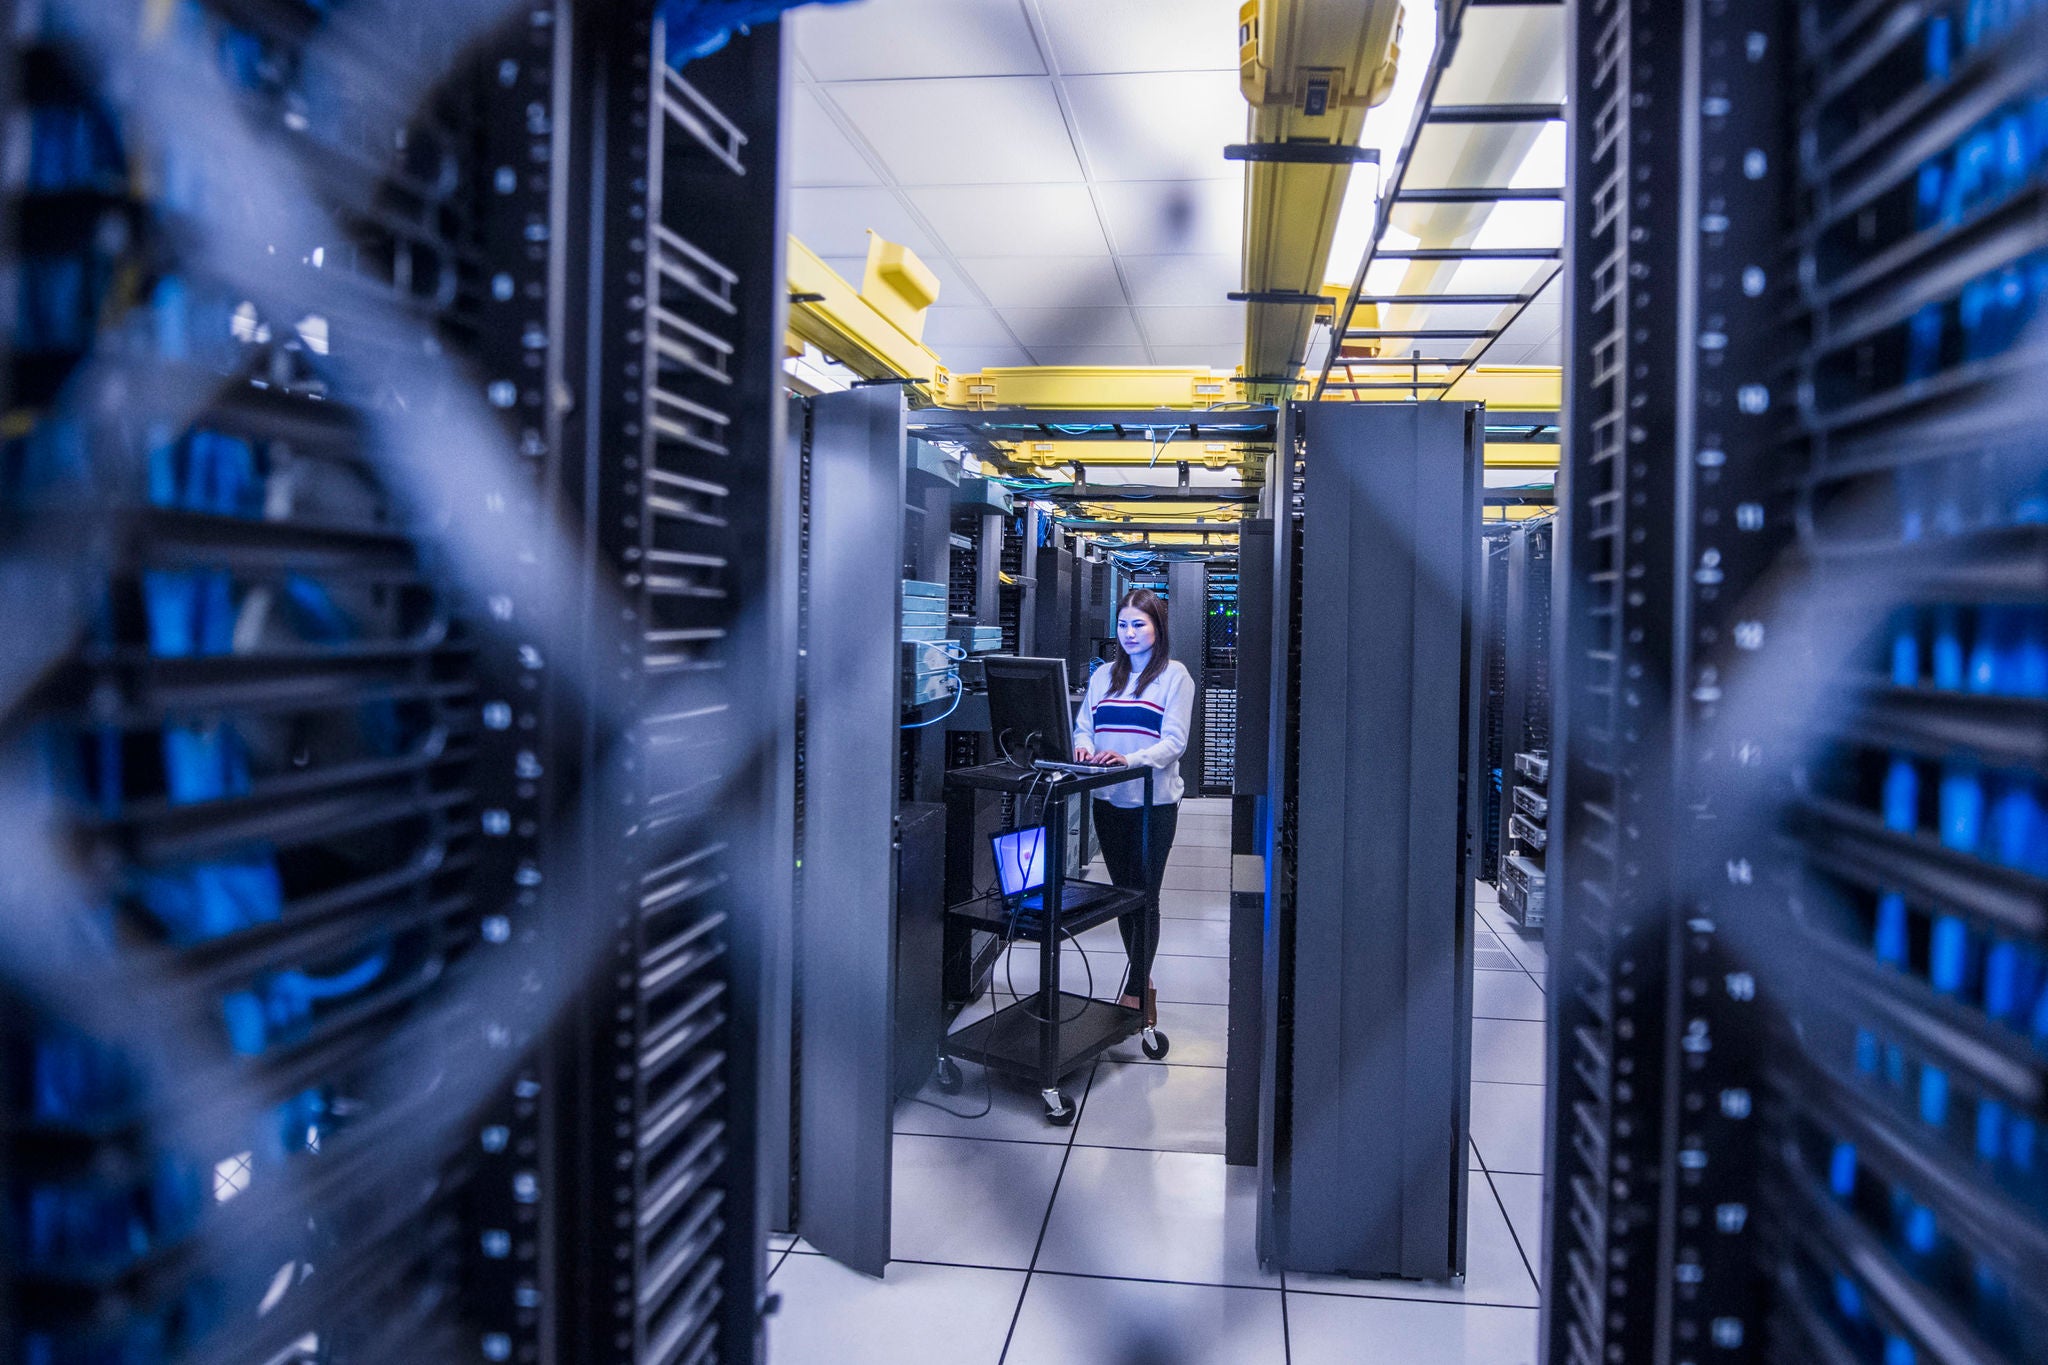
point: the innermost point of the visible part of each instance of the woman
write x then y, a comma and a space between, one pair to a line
1136, 714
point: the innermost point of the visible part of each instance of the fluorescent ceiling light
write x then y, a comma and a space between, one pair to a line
820, 371
1386, 128
1543, 166
1521, 223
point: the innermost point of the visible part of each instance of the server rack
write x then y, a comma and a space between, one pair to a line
1494, 755
1523, 831
317, 365
262, 789
1219, 680
1373, 819
1796, 1078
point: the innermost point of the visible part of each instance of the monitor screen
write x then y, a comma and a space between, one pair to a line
1030, 713
1020, 859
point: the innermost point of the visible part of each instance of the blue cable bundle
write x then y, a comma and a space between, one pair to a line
205, 901
698, 28
73, 148
207, 471
102, 1226
280, 1006
78, 1081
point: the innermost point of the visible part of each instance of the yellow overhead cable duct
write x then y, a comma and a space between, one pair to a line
875, 330
1071, 387
1310, 69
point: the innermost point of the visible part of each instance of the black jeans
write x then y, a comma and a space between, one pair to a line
1121, 833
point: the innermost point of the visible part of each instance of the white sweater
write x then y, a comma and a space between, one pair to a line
1149, 729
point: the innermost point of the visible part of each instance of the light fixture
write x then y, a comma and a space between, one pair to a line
1386, 127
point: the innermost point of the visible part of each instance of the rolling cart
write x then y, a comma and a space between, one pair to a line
1046, 1036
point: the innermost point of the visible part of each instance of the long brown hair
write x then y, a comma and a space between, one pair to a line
1147, 601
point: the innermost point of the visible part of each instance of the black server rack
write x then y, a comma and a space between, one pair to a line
1493, 682
1797, 806
1219, 680
1523, 831
270, 786
372, 378
1373, 813
672, 470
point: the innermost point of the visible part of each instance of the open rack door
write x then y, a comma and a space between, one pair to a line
846, 921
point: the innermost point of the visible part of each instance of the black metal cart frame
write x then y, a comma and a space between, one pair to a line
1045, 1037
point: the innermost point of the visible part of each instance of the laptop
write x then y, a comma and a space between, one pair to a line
1020, 868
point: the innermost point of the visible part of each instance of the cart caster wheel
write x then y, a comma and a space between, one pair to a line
1154, 1044
1059, 1110
947, 1079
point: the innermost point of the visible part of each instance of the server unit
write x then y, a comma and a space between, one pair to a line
1219, 680
1801, 910
1374, 802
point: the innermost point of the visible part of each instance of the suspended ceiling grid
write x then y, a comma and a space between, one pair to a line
1058, 164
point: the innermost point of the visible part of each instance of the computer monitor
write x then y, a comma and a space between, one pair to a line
1020, 860
1029, 712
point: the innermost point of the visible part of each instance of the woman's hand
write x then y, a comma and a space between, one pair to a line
1109, 760
1084, 754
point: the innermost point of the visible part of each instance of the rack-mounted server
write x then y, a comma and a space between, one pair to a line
1493, 682
1799, 906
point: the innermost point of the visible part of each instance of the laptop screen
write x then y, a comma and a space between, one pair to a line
1020, 859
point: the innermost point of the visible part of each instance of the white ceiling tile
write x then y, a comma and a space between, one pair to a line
968, 359
1037, 327
946, 327
820, 154
1220, 324
1158, 126
955, 289
963, 132
1047, 281
1089, 355
835, 222
1019, 220
1181, 281
1220, 357
1142, 35
893, 39
1175, 217
1506, 353
1550, 352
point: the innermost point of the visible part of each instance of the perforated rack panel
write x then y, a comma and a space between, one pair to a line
1805, 470
660, 1068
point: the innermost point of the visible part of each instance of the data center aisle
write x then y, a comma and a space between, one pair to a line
1125, 1238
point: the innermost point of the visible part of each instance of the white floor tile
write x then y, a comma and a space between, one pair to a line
1506, 995
1191, 980
779, 1242
1340, 1331
1196, 1035
1197, 878
1507, 1127
1494, 1273
1508, 1050
1016, 1113
1485, 959
1171, 1215
1202, 833
1160, 1108
1194, 937
1067, 1320
1198, 855
832, 1316
1528, 950
1180, 903
1206, 805
1523, 1195
970, 1202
